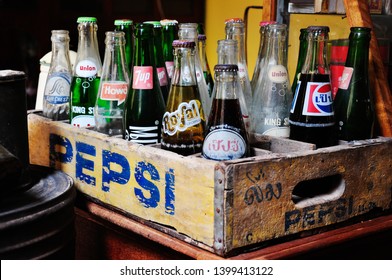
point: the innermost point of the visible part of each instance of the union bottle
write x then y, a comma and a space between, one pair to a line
311, 115
226, 136
144, 105
86, 74
113, 88
57, 88
126, 26
354, 109
183, 122
272, 96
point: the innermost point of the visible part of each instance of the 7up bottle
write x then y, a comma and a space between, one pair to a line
86, 76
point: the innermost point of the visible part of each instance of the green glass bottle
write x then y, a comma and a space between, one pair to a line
126, 26
144, 105
354, 108
303, 46
169, 34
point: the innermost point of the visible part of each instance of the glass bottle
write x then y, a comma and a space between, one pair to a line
144, 105
235, 29
303, 44
311, 115
272, 96
354, 109
126, 26
113, 89
86, 74
57, 88
159, 61
188, 31
226, 136
183, 122
204, 63
227, 54
256, 72
169, 34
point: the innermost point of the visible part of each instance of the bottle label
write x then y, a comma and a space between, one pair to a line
241, 70
162, 76
83, 121
278, 74
223, 144
143, 134
57, 88
318, 100
86, 68
114, 91
346, 77
170, 68
187, 115
142, 77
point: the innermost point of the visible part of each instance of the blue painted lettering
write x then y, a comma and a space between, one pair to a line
82, 163
154, 196
109, 175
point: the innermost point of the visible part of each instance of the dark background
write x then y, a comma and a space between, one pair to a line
25, 26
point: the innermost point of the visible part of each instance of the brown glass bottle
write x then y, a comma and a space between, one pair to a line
183, 123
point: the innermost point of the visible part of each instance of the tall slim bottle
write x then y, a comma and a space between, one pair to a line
57, 88
126, 26
159, 61
235, 29
303, 44
204, 63
169, 34
226, 136
272, 96
184, 121
113, 89
144, 105
86, 74
188, 31
354, 108
311, 115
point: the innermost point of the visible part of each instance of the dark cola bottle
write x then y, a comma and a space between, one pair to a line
312, 115
226, 136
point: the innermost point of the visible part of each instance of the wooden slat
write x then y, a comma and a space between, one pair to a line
358, 15
269, 10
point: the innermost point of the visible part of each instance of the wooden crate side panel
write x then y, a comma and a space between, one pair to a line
263, 207
150, 183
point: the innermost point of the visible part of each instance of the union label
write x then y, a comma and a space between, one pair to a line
86, 68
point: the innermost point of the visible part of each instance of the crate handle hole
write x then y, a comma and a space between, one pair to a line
317, 191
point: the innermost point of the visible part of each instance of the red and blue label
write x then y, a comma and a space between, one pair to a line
318, 100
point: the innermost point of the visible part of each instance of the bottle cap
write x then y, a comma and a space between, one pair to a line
226, 68
156, 24
201, 37
313, 28
236, 20
86, 19
183, 44
123, 22
265, 23
165, 22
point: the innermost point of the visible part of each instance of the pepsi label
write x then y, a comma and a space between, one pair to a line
318, 100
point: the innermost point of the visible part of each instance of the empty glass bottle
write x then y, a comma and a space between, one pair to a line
204, 63
188, 31
226, 136
144, 105
86, 74
303, 45
113, 89
272, 96
354, 108
183, 122
57, 89
169, 34
126, 26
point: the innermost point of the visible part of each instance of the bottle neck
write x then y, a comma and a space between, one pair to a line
237, 33
60, 56
276, 47
316, 54
226, 85
358, 54
227, 52
184, 67
88, 45
144, 50
114, 66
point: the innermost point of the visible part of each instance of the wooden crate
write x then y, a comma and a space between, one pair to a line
286, 188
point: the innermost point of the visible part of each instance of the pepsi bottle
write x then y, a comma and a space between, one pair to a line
312, 115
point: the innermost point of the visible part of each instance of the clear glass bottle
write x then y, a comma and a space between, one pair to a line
86, 74
183, 122
227, 54
226, 136
144, 105
256, 72
272, 95
312, 117
235, 30
114, 86
58, 84
188, 31
354, 107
